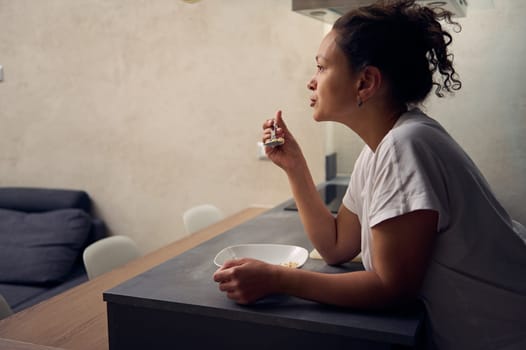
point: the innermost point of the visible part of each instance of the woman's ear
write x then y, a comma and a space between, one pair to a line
369, 82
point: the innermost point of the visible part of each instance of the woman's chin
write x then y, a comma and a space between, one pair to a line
318, 117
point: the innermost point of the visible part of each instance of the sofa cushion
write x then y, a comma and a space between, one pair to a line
41, 248
30, 199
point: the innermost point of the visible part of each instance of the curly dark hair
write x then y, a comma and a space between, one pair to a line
406, 42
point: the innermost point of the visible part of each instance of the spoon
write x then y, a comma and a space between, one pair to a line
274, 141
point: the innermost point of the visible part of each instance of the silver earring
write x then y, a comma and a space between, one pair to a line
360, 102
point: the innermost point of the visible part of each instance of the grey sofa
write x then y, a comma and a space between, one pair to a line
43, 233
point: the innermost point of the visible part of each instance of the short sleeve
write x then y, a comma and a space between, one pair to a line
352, 198
348, 201
403, 179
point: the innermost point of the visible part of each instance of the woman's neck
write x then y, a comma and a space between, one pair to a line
374, 123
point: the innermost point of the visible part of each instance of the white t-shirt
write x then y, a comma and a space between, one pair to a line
475, 287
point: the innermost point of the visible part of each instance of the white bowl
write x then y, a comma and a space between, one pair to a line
279, 254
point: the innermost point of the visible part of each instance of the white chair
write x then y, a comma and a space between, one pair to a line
201, 216
5, 309
108, 253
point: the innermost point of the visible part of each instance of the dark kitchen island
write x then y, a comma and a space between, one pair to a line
178, 305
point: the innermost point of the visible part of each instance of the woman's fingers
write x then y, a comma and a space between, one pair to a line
232, 262
272, 128
269, 124
267, 133
281, 129
223, 286
244, 280
224, 273
279, 120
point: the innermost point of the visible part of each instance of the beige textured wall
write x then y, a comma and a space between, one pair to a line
488, 115
153, 106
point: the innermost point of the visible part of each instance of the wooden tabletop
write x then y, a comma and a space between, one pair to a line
18, 345
76, 319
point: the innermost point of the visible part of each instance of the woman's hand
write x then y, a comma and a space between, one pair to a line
246, 280
287, 156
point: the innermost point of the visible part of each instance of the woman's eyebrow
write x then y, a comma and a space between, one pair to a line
320, 57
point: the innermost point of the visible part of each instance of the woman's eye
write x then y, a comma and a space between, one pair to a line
319, 67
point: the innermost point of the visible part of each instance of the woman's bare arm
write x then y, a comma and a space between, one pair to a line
402, 247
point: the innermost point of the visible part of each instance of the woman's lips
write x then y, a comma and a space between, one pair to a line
312, 102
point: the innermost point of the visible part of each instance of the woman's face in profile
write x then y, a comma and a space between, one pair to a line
333, 89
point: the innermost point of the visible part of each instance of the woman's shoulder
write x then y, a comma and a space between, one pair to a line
417, 136
416, 129
416, 122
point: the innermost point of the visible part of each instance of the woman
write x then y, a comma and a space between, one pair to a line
417, 208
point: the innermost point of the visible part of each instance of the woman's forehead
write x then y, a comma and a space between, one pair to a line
328, 49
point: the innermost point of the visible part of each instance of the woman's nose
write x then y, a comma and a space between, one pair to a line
311, 85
